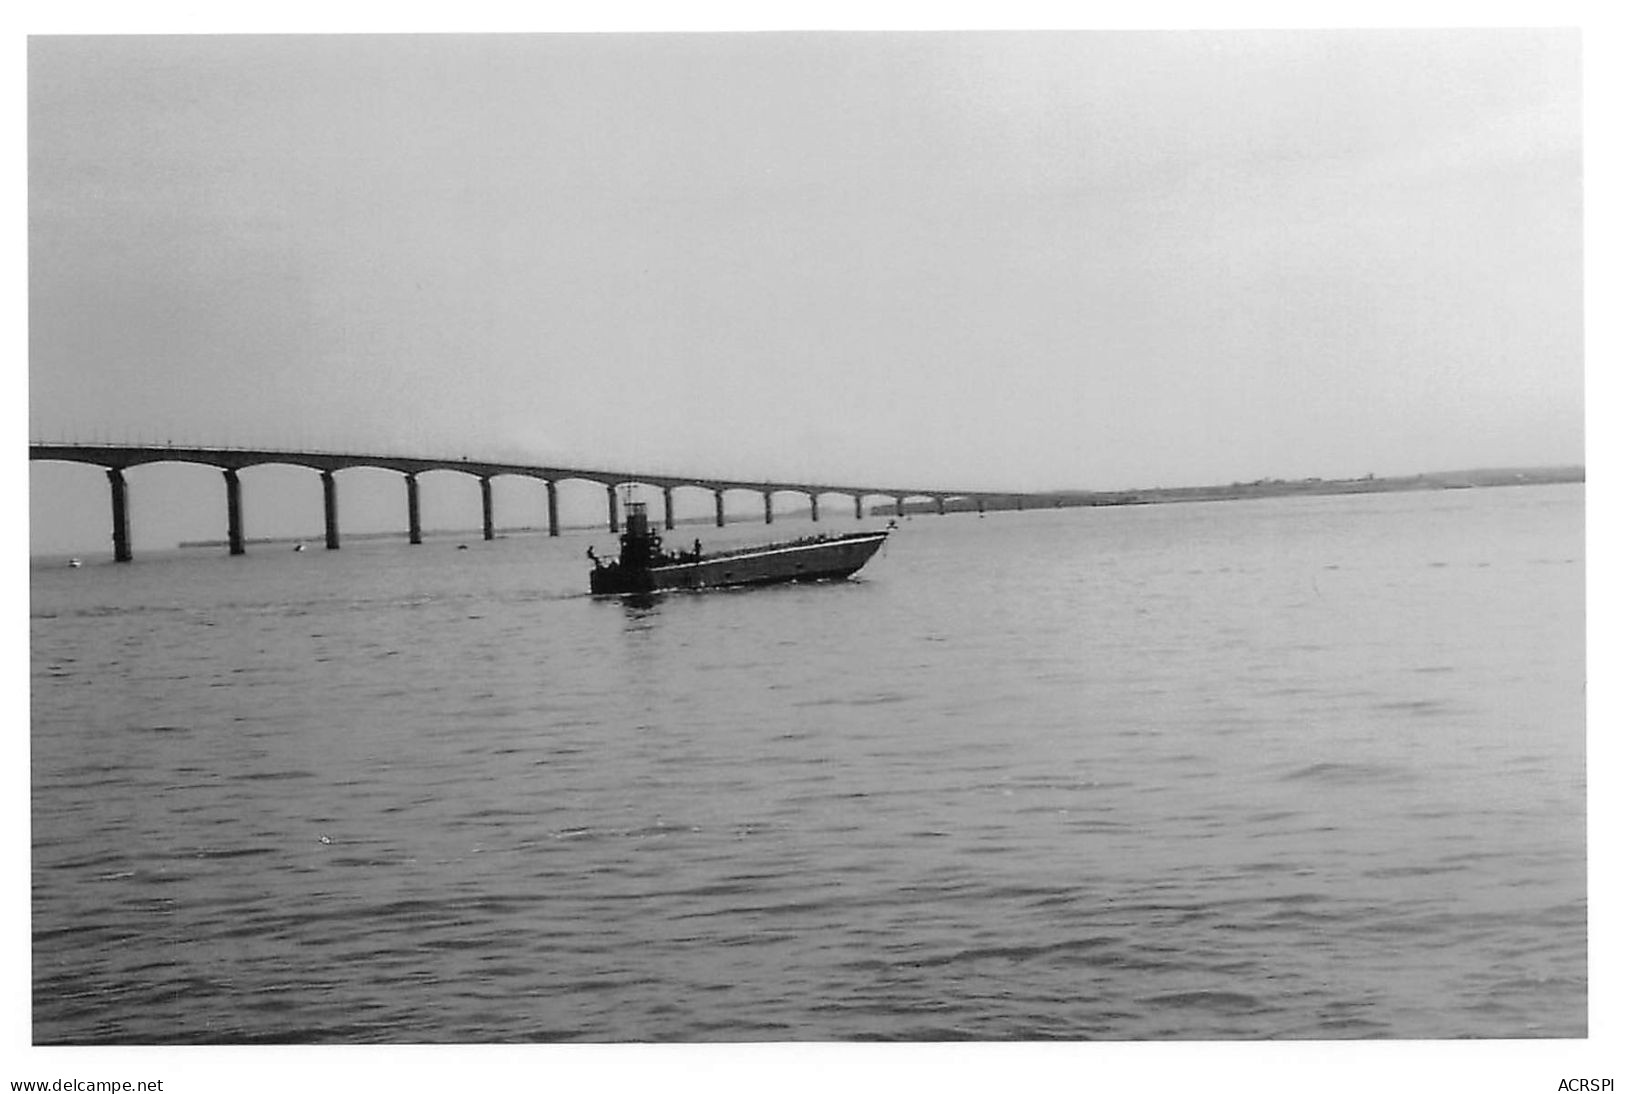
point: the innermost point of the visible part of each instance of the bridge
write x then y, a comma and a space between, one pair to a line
116, 459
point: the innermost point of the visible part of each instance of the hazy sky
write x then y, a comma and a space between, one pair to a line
973, 260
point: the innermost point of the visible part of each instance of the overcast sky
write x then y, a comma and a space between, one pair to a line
967, 260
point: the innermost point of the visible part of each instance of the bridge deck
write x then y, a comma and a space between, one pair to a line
122, 457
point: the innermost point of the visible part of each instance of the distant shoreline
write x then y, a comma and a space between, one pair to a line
317, 536
1069, 499
1368, 484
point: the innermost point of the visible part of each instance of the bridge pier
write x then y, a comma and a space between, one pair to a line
718, 494
942, 505
981, 504
814, 499
857, 506
614, 510
899, 500
671, 519
414, 526
767, 505
1018, 503
330, 509
121, 514
552, 507
487, 510
234, 512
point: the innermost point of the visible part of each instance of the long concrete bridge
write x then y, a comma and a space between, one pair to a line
116, 459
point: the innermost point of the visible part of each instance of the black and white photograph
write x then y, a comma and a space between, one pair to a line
777, 539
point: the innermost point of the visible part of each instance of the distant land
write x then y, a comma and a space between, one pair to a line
1274, 488
1066, 499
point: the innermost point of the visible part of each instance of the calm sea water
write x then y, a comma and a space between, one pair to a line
1305, 768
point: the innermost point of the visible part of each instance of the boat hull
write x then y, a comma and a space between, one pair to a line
822, 559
